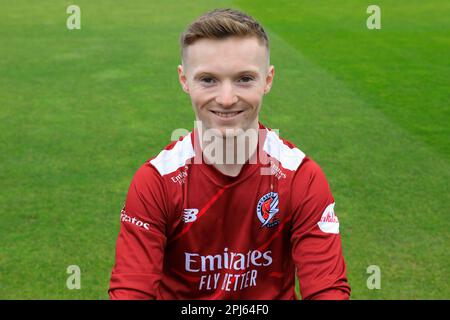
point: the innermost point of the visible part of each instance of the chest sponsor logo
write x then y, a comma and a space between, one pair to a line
266, 210
227, 271
329, 222
190, 215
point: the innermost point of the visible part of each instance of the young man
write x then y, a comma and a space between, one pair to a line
229, 211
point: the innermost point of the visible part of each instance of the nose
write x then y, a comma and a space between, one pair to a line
226, 96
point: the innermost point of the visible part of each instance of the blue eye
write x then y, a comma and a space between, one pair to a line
246, 79
207, 80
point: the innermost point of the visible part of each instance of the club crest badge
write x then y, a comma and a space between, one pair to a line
267, 209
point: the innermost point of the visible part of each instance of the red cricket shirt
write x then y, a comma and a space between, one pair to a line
190, 232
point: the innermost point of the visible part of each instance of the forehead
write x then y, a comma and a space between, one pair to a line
228, 55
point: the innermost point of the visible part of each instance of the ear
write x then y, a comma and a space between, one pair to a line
182, 78
269, 79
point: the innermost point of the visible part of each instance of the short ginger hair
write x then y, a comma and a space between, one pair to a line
221, 24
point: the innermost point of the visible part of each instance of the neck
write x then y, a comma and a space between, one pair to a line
229, 154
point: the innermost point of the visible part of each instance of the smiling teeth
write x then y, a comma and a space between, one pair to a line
226, 115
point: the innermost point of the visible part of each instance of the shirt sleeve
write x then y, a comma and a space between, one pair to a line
315, 238
142, 238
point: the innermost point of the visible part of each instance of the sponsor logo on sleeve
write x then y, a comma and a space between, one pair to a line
329, 222
124, 217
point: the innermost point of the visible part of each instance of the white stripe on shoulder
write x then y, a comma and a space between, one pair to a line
290, 158
169, 161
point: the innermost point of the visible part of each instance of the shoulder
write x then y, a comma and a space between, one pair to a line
309, 182
306, 172
309, 169
288, 154
172, 157
168, 160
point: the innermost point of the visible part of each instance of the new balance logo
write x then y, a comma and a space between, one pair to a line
190, 215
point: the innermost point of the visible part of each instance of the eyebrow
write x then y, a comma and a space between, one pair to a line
240, 73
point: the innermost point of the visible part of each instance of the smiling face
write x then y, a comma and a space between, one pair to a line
226, 79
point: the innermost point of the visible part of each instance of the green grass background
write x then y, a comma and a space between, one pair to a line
80, 111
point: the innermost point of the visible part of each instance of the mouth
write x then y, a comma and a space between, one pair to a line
227, 115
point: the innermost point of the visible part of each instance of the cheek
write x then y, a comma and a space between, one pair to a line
197, 99
254, 99
253, 95
199, 96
